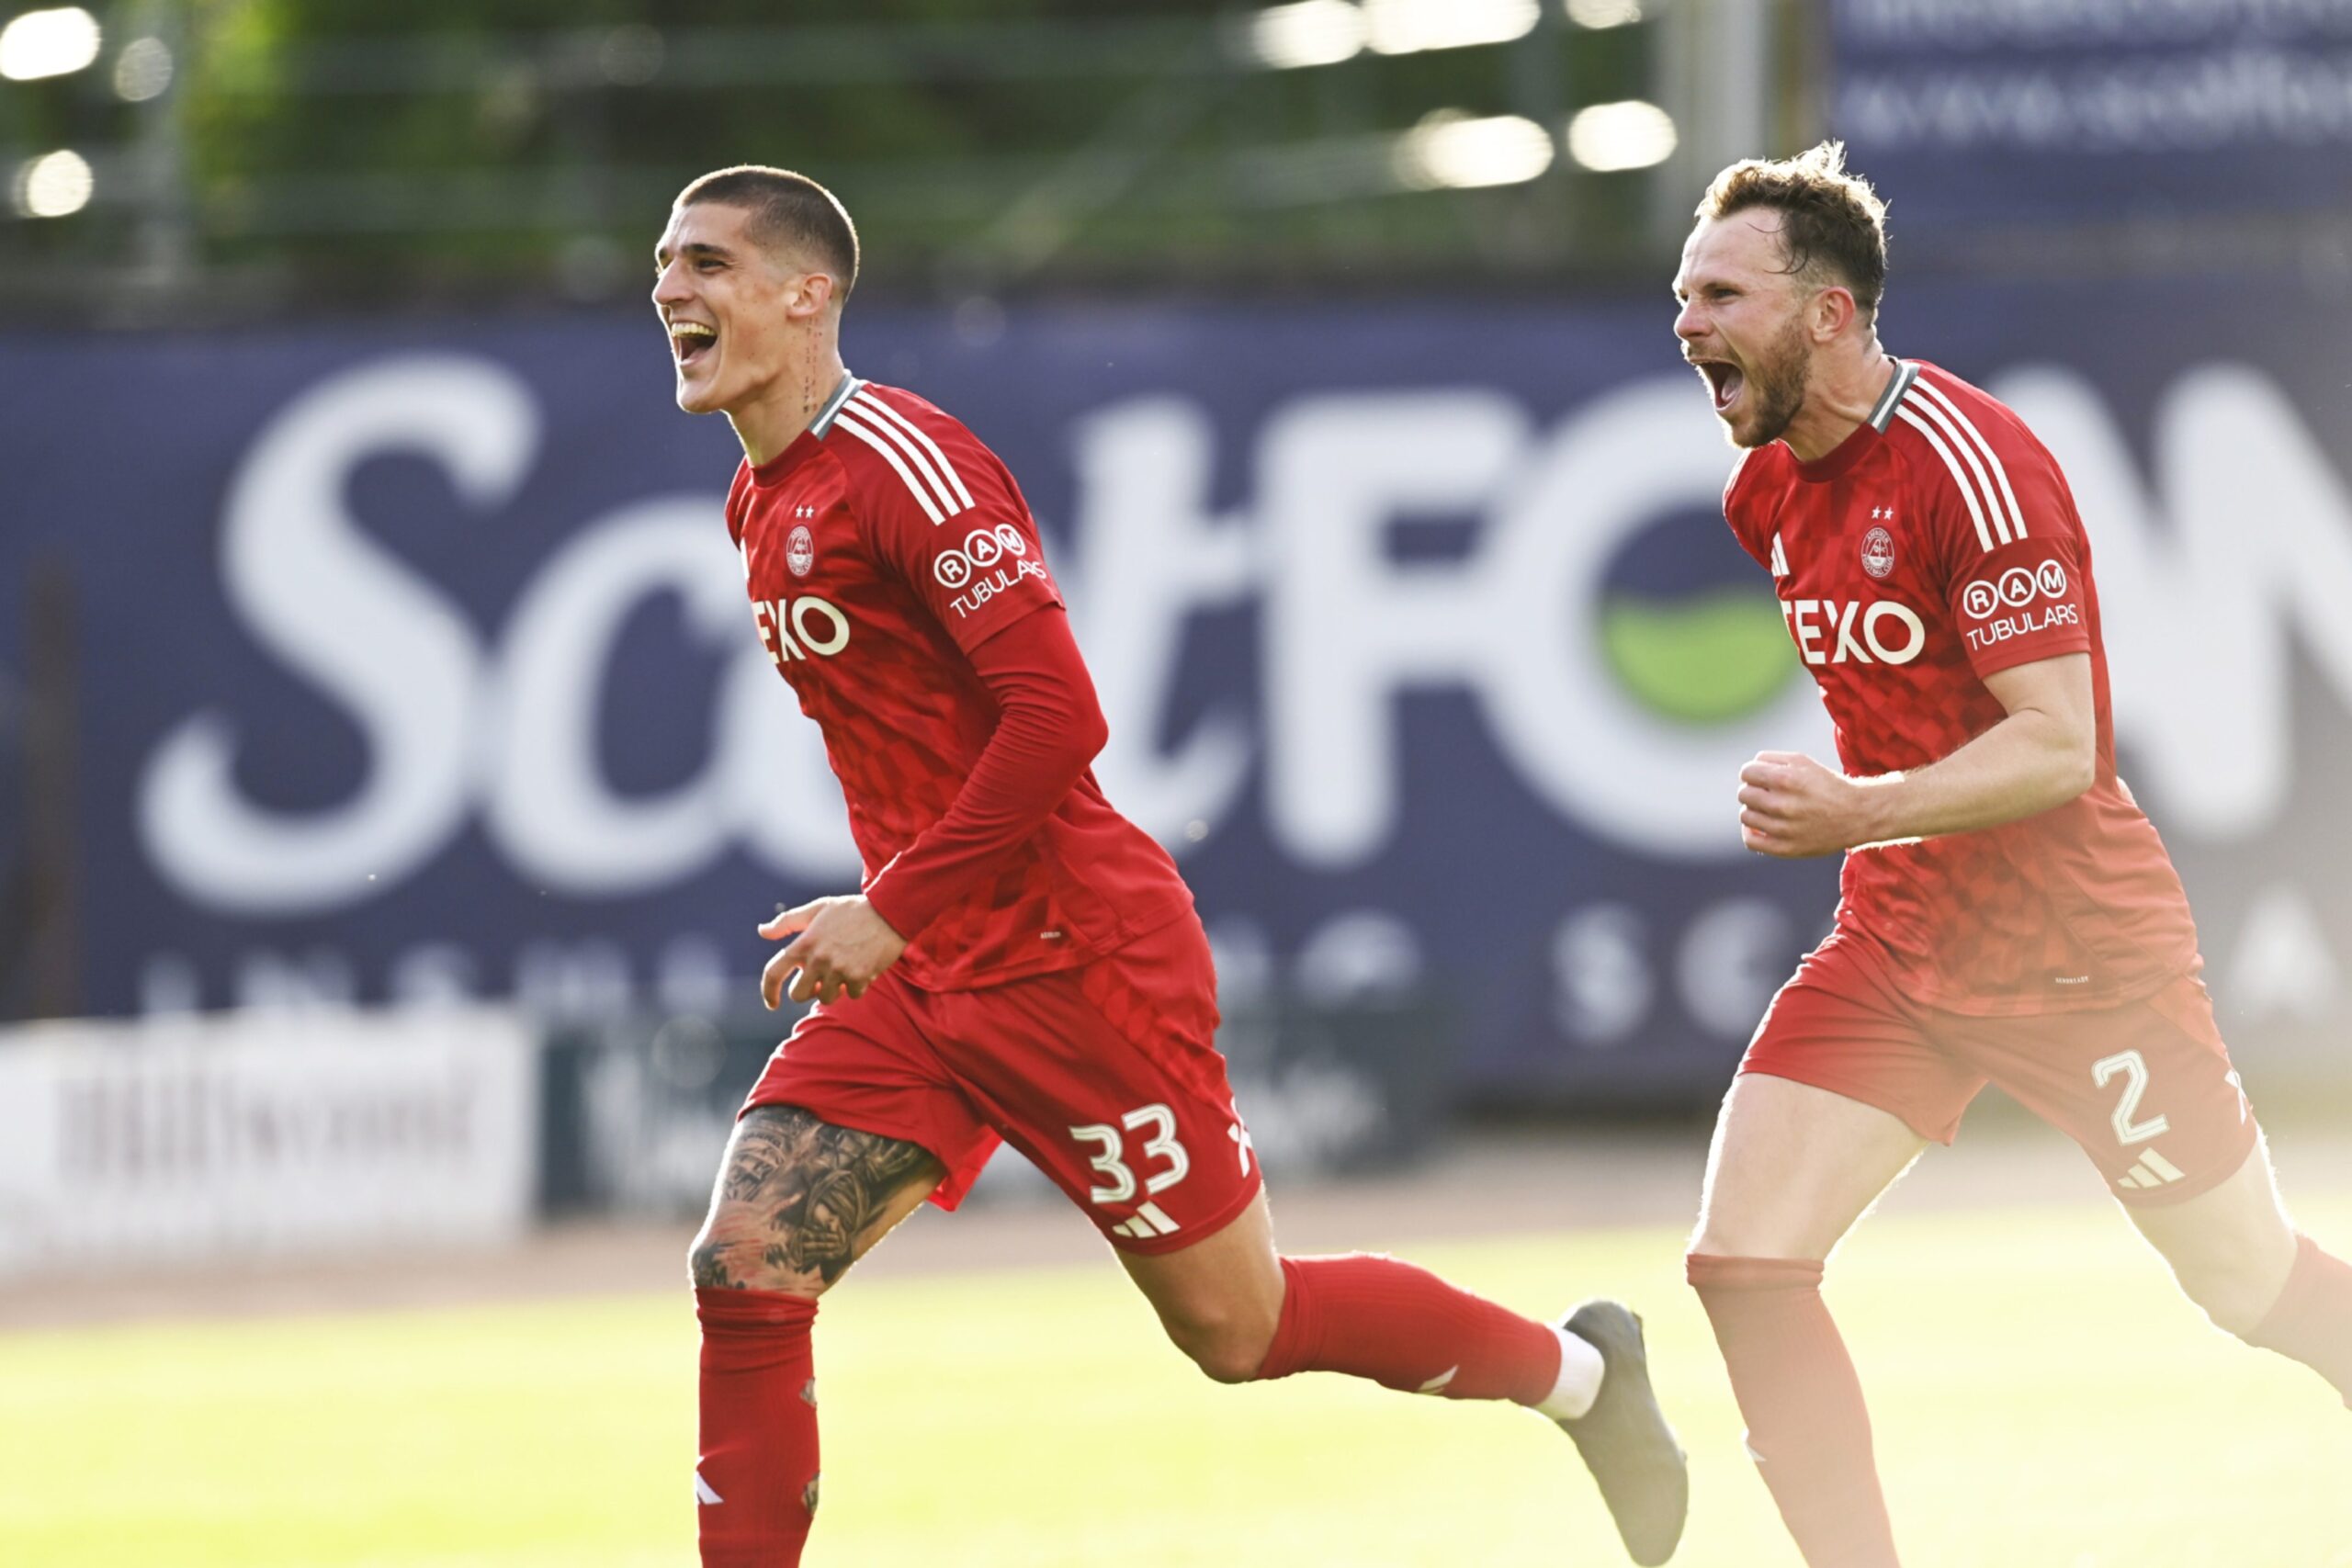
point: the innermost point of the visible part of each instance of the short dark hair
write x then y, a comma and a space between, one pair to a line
1835, 224
787, 209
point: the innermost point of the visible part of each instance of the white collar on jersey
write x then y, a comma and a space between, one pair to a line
1897, 384
824, 420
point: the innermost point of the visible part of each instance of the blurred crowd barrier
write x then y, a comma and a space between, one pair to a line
411, 666
135, 1145
636, 1113
131, 1147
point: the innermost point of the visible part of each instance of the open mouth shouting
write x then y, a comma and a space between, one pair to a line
691, 341
1724, 381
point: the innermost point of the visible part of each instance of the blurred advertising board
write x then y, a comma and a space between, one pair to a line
637, 1110
2037, 111
416, 666
127, 1143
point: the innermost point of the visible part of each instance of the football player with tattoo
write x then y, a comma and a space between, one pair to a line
1022, 965
2008, 912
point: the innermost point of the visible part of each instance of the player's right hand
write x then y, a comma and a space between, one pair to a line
1792, 807
840, 946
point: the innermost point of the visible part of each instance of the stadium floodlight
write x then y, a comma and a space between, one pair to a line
1610, 138
48, 43
1600, 15
1452, 151
143, 71
1408, 27
54, 185
1310, 32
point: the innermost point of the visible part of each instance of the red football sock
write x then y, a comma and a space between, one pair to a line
2312, 1321
756, 1482
1404, 1328
1808, 1429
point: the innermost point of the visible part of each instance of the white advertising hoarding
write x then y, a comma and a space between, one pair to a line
123, 1145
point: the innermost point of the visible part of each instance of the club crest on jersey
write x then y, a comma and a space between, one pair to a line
1877, 552
801, 551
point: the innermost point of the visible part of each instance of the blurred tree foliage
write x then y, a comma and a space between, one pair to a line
421, 147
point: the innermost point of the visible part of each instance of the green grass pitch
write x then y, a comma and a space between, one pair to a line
2043, 1400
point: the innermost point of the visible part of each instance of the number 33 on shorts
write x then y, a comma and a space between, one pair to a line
1141, 1154
1109, 1161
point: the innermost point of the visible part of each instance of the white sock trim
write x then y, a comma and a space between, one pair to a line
1579, 1382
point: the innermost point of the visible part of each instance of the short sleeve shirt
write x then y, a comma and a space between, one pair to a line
1935, 546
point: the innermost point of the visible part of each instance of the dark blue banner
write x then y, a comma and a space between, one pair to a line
1969, 112
415, 663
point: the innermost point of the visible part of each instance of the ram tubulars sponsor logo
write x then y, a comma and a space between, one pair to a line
979, 590
2022, 591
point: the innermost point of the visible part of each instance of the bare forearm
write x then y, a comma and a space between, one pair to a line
2043, 754
2027, 763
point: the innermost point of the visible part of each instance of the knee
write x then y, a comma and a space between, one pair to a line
2234, 1273
2234, 1292
733, 1251
1228, 1346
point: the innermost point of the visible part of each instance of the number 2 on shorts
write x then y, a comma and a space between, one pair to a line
2134, 1068
1109, 1159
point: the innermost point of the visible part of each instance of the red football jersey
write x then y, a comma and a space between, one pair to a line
879, 547
1938, 545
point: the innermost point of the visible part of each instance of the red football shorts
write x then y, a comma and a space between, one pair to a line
1106, 1076
2145, 1088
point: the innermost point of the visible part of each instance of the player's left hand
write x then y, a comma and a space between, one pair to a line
1794, 807
840, 946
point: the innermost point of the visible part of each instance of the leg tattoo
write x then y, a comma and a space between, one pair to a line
812, 1189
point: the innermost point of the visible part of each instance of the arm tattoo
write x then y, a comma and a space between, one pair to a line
816, 1189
